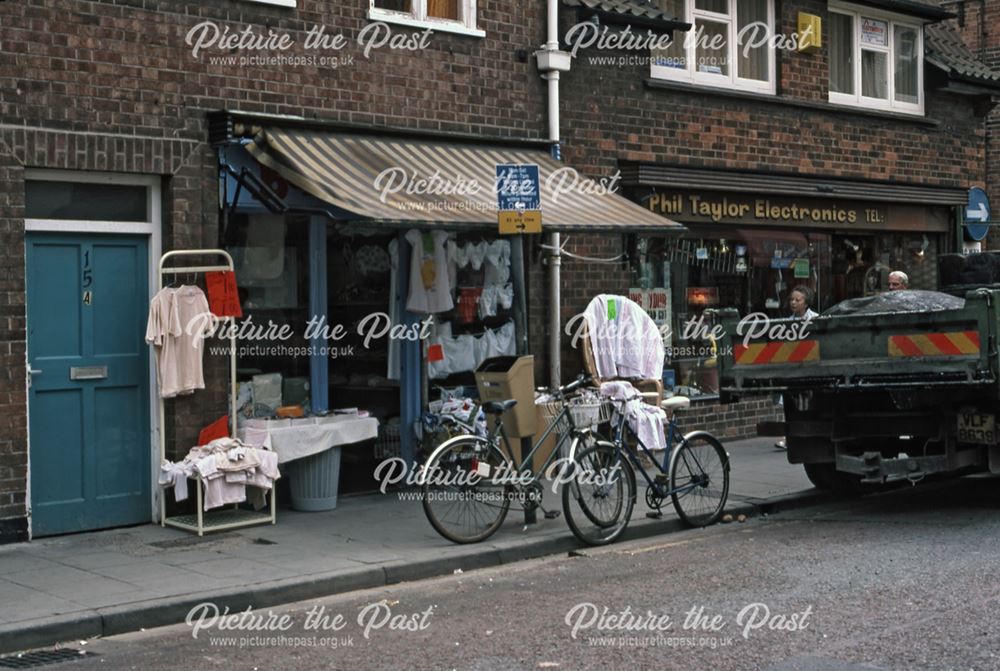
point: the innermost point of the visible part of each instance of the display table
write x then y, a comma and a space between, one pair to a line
310, 449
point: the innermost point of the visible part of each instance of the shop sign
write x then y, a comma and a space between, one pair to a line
518, 198
825, 213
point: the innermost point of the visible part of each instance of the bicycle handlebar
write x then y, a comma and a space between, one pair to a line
581, 380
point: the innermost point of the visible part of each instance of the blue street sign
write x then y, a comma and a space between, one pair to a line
977, 214
517, 187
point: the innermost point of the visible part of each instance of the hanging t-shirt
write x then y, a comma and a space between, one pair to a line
430, 291
178, 320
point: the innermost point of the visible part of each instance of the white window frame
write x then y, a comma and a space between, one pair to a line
732, 80
893, 20
466, 25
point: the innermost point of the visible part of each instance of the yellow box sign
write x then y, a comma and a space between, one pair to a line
810, 33
513, 222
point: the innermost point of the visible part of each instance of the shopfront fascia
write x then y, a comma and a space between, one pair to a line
752, 239
312, 191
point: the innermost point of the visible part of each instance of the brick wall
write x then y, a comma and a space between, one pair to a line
112, 86
610, 113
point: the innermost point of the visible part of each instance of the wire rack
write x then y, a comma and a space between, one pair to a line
586, 412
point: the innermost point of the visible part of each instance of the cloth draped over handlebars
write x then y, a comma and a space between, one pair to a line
646, 420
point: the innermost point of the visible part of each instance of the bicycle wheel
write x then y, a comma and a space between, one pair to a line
699, 479
599, 494
463, 499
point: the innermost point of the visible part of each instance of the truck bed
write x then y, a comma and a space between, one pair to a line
864, 351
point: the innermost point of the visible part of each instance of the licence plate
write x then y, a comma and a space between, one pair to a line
974, 427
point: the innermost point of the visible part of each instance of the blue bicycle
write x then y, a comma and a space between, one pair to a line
600, 494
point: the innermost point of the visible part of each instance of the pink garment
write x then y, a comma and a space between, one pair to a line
178, 321
625, 340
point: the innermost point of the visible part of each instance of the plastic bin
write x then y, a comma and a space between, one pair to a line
504, 377
315, 480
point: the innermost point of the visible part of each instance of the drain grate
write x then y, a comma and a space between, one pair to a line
36, 658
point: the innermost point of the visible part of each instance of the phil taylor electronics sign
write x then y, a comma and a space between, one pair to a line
836, 214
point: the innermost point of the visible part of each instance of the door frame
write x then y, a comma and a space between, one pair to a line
152, 228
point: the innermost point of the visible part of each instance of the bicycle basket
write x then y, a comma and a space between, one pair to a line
587, 412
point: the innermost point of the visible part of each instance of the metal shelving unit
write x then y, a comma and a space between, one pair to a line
225, 518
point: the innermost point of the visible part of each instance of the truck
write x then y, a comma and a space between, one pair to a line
895, 388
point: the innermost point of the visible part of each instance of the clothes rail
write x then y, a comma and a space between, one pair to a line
229, 518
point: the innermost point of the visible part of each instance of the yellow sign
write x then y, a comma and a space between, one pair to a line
810, 34
513, 222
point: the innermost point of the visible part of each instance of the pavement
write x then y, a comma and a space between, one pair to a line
111, 582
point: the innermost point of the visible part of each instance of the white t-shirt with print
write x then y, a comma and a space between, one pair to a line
430, 290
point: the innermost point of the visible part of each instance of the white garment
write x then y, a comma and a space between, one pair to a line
497, 262
499, 342
178, 321
477, 253
625, 340
429, 289
645, 419
393, 372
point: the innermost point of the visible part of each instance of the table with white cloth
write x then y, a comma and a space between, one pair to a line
309, 450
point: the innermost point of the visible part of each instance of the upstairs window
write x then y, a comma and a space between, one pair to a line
454, 16
876, 61
728, 46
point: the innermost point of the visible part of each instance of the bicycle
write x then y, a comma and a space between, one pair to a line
600, 493
469, 482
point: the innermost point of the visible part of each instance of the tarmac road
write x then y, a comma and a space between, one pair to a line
902, 580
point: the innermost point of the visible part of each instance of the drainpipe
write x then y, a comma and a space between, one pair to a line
552, 61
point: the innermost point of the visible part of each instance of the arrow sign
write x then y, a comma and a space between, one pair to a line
977, 214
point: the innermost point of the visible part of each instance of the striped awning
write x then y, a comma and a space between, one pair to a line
408, 181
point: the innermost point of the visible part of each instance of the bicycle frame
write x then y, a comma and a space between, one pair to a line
618, 435
528, 459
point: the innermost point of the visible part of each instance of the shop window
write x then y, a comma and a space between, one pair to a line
728, 46
876, 61
86, 201
440, 15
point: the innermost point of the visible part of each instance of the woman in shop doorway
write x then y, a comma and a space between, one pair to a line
799, 302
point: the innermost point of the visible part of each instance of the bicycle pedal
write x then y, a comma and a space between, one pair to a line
654, 514
552, 514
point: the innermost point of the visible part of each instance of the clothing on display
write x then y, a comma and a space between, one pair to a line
179, 320
465, 352
226, 468
430, 291
223, 294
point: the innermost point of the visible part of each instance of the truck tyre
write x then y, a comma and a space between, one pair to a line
825, 476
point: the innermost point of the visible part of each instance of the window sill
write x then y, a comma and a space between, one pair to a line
436, 26
277, 3
789, 102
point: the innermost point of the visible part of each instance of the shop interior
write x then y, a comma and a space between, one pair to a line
270, 253
754, 271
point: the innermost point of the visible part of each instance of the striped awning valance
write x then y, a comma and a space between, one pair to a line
410, 181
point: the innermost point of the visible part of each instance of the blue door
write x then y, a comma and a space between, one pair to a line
88, 400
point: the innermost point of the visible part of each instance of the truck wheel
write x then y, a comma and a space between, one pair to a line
825, 476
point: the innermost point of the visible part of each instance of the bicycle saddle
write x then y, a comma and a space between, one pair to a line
497, 407
675, 403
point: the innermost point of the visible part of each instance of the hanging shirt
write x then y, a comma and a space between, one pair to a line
430, 291
178, 321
